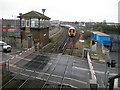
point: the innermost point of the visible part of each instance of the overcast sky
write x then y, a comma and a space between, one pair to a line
64, 10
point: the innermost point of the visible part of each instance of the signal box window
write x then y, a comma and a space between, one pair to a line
27, 23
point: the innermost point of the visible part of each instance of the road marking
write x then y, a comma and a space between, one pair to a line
76, 80
53, 81
23, 58
98, 63
101, 72
49, 74
72, 86
56, 76
38, 78
80, 68
29, 70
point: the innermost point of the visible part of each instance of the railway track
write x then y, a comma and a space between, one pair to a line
58, 45
64, 44
69, 46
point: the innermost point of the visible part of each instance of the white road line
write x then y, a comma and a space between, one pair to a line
52, 75
76, 80
29, 70
101, 72
56, 76
80, 68
39, 78
72, 86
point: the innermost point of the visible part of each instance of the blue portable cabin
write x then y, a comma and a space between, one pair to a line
103, 38
94, 34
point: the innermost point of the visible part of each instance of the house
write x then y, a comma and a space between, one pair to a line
10, 31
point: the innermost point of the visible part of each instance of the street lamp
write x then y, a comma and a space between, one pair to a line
82, 47
43, 10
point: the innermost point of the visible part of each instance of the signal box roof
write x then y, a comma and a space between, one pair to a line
34, 14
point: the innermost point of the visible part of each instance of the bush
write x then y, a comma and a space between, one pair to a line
86, 35
106, 28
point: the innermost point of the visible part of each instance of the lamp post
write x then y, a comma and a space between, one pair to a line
43, 10
82, 47
21, 34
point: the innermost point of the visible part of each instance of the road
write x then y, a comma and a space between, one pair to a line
55, 68
100, 68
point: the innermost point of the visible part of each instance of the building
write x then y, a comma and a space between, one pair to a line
55, 22
34, 29
10, 29
119, 12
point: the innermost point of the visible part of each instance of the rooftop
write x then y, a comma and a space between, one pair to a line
10, 22
100, 33
34, 14
103, 34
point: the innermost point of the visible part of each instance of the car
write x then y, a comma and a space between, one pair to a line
5, 47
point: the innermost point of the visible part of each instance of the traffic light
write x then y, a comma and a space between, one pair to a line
113, 63
108, 63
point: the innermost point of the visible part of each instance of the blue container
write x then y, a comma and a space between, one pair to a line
94, 34
103, 39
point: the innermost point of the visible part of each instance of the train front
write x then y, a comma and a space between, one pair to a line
72, 31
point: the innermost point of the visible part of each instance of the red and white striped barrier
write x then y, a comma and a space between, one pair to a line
92, 71
20, 53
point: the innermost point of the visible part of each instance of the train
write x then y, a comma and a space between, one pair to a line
72, 32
